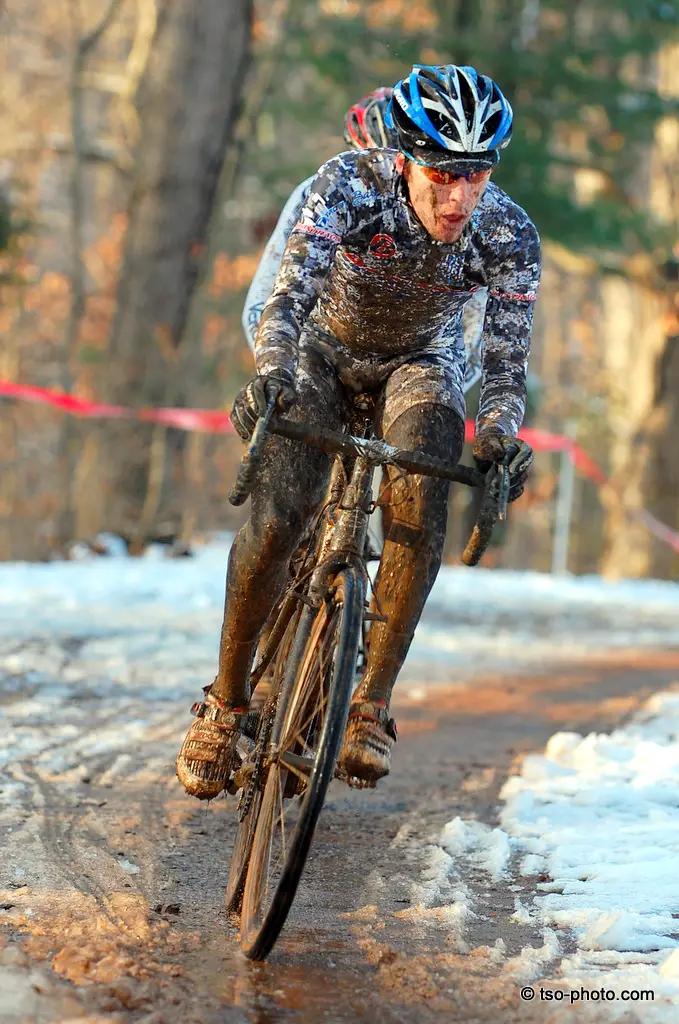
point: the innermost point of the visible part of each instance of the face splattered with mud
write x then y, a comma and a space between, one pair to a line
363, 275
444, 209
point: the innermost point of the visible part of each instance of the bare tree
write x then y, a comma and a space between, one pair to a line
187, 105
84, 42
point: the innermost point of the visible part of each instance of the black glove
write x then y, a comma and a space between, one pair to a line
490, 447
252, 400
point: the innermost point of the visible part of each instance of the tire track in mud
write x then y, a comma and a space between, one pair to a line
119, 908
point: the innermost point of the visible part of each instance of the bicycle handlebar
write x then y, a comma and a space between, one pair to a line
495, 483
377, 451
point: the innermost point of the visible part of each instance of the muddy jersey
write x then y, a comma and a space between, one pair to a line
361, 275
263, 281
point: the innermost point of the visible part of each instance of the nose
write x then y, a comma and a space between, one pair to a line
462, 189
456, 197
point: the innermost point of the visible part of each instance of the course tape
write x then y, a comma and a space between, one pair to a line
213, 422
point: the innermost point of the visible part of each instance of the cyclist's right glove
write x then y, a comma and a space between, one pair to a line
492, 447
252, 400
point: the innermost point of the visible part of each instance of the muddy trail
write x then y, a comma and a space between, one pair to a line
112, 880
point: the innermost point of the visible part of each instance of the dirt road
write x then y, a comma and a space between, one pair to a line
111, 892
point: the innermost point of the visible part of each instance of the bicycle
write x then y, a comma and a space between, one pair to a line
309, 653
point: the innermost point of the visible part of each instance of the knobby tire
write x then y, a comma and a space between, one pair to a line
261, 925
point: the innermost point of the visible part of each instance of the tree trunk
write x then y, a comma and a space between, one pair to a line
188, 104
643, 357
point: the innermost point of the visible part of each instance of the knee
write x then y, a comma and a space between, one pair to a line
431, 428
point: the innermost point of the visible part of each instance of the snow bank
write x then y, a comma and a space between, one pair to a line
532, 617
594, 823
600, 815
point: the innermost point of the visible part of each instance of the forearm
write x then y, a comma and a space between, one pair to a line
506, 345
277, 343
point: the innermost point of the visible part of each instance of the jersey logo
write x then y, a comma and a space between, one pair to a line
382, 246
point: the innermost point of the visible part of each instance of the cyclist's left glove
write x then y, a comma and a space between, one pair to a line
252, 400
491, 447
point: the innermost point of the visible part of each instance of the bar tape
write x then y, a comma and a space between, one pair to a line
213, 422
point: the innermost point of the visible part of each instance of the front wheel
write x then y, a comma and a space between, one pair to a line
302, 764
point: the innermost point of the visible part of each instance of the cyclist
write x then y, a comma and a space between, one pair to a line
389, 247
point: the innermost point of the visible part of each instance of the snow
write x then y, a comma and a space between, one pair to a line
604, 810
133, 612
490, 846
597, 816
531, 617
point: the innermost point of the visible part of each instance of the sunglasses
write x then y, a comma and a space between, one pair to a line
450, 177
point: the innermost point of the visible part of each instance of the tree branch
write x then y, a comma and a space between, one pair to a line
91, 38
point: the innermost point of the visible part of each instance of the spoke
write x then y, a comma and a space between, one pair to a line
318, 710
297, 771
272, 832
282, 816
293, 729
280, 859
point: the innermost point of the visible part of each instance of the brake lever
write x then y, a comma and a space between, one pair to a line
245, 478
504, 485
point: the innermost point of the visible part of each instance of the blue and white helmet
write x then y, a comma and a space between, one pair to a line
448, 116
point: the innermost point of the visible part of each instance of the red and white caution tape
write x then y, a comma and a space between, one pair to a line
206, 420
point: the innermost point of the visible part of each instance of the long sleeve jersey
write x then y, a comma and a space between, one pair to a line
360, 269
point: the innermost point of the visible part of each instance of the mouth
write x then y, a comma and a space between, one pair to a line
453, 218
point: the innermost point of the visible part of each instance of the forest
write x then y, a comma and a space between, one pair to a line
146, 150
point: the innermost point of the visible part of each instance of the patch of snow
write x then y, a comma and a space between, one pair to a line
532, 961
521, 915
489, 846
128, 867
595, 820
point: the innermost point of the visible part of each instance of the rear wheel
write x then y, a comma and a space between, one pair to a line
309, 727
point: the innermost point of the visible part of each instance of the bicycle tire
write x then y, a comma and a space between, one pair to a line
285, 620
341, 629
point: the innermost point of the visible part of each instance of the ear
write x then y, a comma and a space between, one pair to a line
400, 163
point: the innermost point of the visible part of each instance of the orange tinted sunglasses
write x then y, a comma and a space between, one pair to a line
450, 177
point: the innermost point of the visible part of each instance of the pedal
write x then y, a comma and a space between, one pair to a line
242, 776
353, 781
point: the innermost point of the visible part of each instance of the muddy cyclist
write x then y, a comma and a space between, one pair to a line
389, 247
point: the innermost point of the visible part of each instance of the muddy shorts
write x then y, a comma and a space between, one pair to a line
330, 374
